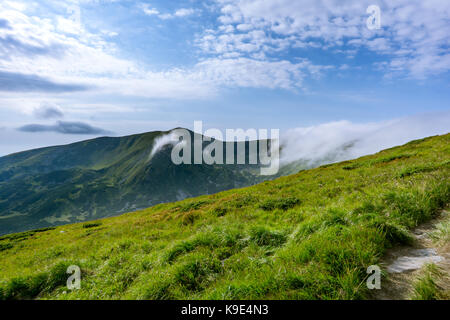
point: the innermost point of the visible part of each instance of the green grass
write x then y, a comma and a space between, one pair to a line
92, 225
426, 287
441, 234
310, 235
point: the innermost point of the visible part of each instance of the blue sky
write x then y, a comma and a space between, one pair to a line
76, 69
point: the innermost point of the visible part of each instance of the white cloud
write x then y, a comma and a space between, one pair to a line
413, 39
343, 140
166, 16
69, 26
47, 110
41, 47
19, 6
148, 10
180, 13
52, 50
244, 72
243, 49
184, 12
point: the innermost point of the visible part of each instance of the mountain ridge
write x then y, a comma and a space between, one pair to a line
102, 177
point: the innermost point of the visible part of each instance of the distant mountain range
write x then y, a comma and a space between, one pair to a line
103, 177
108, 176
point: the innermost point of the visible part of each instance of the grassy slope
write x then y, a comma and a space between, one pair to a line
426, 287
311, 235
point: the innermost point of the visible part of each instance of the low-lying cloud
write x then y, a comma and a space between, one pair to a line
343, 140
64, 128
170, 138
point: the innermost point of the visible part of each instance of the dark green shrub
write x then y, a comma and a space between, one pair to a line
265, 237
281, 203
195, 205
409, 171
179, 249
21, 288
244, 201
392, 158
58, 275
335, 217
92, 225
393, 233
5, 246
366, 208
158, 290
189, 218
195, 274
44, 229
353, 166
306, 229
220, 211
17, 288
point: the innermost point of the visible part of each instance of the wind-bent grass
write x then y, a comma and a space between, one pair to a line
311, 235
441, 234
426, 287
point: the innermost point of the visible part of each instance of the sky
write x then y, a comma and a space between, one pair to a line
77, 69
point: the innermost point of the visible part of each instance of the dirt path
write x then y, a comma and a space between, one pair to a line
403, 264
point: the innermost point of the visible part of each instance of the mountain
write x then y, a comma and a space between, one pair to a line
103, 177
311, 235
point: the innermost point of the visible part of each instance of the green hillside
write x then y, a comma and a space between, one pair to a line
310, 235
101, 178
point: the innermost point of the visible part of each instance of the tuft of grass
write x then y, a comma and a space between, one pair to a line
392, 158
197, 272
422, 168
393, 233
193, 205
409, 171
219, 211
91, 225
181, 248
5, 246
441, 234
265, 237
32, 286
280, 203
426, 286
353, 166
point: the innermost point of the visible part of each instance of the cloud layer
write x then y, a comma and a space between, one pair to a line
19, 82
64, 128
248, 46
343, 140
180, 13
413, 39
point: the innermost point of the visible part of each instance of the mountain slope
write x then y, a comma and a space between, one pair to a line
102, 177
311, 235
